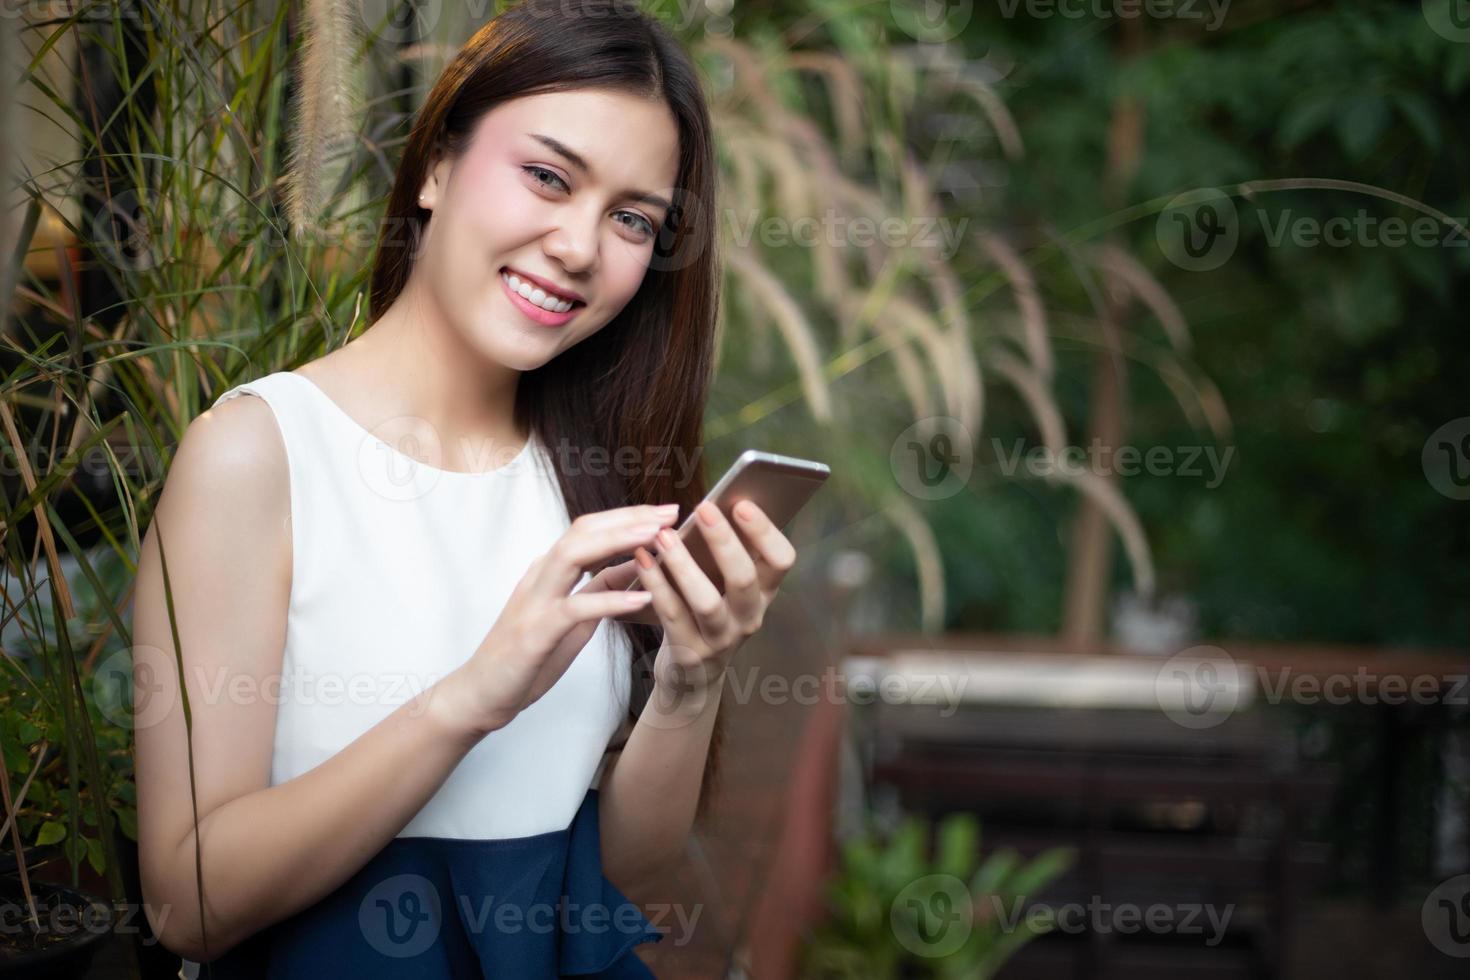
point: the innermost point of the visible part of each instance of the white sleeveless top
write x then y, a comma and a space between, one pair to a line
398, 571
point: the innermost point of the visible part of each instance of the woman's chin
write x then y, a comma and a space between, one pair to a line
521, 346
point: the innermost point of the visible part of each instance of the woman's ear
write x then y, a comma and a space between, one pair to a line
436, 176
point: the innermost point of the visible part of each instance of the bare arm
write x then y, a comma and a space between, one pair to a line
266, 851
646, 828
649, 791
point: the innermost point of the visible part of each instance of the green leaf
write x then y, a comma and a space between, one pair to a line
1361, 124
128, 820
94, 855
1421, 116
990, 877
1457, 69
1042, 871
903, 860
1302, 121
1427, 267
860, 857
51, 832
959, 839
16, 759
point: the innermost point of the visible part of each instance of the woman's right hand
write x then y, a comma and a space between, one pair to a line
543, 627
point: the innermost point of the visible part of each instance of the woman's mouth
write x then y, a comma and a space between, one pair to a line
536, 303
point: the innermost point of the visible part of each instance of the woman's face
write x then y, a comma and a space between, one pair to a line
566, 189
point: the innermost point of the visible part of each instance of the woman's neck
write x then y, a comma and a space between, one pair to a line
411, 362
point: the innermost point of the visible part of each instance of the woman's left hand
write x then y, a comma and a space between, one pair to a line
703, 629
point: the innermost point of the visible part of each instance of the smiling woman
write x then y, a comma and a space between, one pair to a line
545, 281
566, 223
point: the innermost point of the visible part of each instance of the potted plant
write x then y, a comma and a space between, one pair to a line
69, 803
57, 932
896, 912
52, 929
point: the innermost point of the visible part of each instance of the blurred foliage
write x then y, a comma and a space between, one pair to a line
1336, 362
44, 743
896, 911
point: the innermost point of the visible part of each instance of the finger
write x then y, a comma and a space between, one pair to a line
603, 520
666, 602
578, 617
645, 615
584, 606
772, 552
592, 538
742, 586
618, 576
700, 595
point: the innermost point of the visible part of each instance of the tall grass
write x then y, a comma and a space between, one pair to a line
172, 217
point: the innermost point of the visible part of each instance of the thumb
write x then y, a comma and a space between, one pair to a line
613, 577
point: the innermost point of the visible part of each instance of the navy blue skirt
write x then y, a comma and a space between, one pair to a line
431, 907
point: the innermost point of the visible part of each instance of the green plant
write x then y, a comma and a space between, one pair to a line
33, 732
170, 215
832, 112
894, 911
67, 769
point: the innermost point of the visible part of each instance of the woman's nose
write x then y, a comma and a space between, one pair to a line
574, 245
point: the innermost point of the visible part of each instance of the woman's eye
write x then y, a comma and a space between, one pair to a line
641, 224
638, 224
534, 171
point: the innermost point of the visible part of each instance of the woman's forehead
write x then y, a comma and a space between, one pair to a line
618, 134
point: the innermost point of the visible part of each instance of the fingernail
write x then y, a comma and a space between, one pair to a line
708, 514
667, 538
634, 598
745, 511
644, 558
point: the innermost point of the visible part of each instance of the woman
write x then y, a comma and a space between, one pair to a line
423, 744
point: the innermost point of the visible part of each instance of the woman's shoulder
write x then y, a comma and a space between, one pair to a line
251, 419
225, 502
232, 460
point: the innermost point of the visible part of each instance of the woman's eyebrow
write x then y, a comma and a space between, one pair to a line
576, 160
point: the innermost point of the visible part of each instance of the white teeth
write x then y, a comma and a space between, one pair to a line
535, 294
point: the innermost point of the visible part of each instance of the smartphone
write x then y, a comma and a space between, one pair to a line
779, 485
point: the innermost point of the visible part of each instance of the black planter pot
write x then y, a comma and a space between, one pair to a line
155, 962
36, 857
74, 926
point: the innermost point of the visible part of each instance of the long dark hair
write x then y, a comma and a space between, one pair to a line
643, 379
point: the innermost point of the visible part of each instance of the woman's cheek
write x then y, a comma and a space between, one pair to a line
627, 273
515, 214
